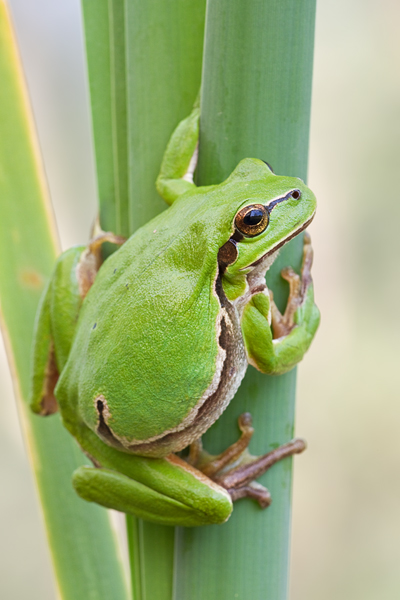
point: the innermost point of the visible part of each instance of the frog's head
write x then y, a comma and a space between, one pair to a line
274, 211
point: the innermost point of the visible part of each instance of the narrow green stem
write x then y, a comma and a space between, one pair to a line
256, 94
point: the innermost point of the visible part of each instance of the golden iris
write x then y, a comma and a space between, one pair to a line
252, 220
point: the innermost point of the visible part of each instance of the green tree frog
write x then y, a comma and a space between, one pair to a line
143, 353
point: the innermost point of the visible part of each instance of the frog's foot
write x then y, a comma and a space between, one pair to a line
298, 286
239, 481
91, 259
235, 469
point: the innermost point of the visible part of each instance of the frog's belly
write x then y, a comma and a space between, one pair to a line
231, 368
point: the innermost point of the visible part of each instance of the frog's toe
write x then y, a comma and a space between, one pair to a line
254, 490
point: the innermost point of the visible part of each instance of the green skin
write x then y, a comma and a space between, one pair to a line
164, 337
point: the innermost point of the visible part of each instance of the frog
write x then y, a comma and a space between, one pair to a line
142, 352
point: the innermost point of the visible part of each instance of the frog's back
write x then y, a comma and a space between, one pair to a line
146, 355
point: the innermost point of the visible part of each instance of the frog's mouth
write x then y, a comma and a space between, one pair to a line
279, 245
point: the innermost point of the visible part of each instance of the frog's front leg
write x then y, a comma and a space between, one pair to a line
180, 158
275, 349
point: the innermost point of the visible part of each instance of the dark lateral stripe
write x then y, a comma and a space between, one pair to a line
282, 243
271, 205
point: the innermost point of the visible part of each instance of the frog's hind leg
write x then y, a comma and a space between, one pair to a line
115, 490
210, 465
236, 469
167, 491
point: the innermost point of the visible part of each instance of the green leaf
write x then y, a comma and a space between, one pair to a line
82, 542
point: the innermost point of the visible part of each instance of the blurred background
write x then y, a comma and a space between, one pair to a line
346, 519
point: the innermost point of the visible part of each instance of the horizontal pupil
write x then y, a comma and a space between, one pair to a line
253, 217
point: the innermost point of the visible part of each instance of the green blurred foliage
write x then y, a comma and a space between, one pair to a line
346, 522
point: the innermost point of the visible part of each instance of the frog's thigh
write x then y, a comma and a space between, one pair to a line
209, 504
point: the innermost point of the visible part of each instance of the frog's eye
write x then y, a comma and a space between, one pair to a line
252, 220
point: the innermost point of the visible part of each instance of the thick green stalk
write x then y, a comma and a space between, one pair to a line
83, 547
255, 102
160, 70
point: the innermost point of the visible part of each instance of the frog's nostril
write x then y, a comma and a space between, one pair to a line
296, 194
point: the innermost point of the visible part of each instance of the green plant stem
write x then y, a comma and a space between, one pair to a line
82, 543
157, 58
255, 102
